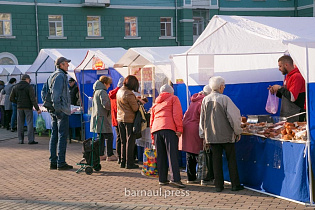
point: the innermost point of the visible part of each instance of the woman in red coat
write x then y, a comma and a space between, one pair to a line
190, 142
166, 127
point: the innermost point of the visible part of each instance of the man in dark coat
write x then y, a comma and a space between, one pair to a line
23, 95
74, 92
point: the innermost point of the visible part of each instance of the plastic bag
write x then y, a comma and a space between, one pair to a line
149, 163
202, 169
40, 124
272, 103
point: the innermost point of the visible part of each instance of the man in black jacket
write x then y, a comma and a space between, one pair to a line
23, 95
73, 92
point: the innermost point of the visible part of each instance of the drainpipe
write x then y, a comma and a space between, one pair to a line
36, 19
295, 8
176, 24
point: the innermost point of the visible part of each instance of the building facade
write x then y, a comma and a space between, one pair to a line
26, 26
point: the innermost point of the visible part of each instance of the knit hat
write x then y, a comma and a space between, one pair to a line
120, 82
206, 89
166, 89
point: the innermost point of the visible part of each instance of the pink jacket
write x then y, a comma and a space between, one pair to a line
166, 113
190, 140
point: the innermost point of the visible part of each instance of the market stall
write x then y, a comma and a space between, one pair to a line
95, 64
245, 50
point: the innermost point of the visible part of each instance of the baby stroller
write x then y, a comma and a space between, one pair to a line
91, 154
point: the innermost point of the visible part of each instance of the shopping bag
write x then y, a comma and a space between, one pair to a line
272, 103
40, 124
202, 169
149, 163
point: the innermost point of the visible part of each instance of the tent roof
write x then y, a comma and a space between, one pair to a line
6, 70
240, 34
20, 69
108, 55
143, 56
45, 61
149, 55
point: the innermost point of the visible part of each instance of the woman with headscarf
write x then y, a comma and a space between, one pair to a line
190, 142
101, 119
166, 127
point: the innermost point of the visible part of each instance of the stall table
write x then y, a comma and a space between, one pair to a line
273, 166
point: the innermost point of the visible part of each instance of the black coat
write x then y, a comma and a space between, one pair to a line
23, 95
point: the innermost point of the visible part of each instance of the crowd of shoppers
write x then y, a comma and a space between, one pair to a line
211, 123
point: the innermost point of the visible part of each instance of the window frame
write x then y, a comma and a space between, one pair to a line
200, 22
165, 24
55, 23
3, 26
130, 26
93, 21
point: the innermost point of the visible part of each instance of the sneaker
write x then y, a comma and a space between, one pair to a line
164, 183
53, 166
238, 188
65, 167
112, 158
134, 166
193, 182
33, 142
205, 182
178, 184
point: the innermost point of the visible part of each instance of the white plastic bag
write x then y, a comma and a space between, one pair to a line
272, 103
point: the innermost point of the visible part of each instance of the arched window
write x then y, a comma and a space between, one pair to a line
8, 59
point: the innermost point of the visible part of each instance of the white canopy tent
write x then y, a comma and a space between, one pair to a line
149, 56
241, 49
154, 63
5, 71
107, 55
45, 62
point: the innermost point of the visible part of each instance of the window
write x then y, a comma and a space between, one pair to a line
93, 25
5, 24
198, 26
55, 25
131, 28
166, 26
7, 58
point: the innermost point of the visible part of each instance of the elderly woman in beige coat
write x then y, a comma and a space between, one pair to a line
101, 119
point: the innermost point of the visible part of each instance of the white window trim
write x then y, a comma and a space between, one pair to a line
94, 37
172, 35
7, 35
87, 23
55, 36
166, 37
9, 55
132, 37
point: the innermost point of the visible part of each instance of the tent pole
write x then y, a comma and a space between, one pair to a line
81, 101
308, 143
36, 75
187, 95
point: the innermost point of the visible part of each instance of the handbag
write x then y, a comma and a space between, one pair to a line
149, 163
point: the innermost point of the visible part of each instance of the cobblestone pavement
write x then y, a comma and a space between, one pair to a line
27, 183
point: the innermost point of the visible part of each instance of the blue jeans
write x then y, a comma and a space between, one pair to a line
14, 115
58, 139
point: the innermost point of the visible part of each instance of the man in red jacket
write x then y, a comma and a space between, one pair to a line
292, 93
113, 102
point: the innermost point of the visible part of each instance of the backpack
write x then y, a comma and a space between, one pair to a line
140, 123
46, 94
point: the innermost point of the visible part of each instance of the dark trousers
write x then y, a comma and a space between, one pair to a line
217, 150
2, 114
22, 115
7, 118
166, 143
118, 143
191, 161
127, 143
209, 165
108, 137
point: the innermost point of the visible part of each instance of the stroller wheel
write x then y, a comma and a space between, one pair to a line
98, 167
89, 170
